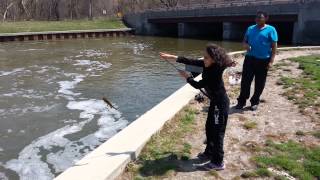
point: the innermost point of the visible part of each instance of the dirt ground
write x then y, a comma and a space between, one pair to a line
276, 118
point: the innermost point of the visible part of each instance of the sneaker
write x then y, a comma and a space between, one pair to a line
211, 166
204, 157
253, 107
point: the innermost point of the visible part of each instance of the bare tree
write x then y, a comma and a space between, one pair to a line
90, 9
169, 3
8, 6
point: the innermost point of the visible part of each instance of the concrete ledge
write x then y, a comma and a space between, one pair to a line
109, 160
65, 32
72, 34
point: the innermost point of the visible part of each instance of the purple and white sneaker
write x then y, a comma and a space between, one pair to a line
211, 166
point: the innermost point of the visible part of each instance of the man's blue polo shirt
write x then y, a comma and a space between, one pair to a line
261, 40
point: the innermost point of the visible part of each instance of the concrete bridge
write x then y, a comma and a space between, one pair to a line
297, 21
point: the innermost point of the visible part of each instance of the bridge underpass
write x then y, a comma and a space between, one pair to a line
230, 28
296, 22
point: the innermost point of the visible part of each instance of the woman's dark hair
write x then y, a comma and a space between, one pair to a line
219, 55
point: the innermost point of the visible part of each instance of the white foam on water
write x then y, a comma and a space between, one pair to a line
3, 176
30, 108
67, 121
29, 164
12, 94
13, 72
1, 149
66, 86
93, 65
25, 50
22, 131
30, 94
38, 109
137, 48
92, 53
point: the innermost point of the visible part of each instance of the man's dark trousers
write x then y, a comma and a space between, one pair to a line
257, 69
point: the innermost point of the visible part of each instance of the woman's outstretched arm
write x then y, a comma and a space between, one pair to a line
182, 60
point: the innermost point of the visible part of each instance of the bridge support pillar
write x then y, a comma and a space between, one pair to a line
306, 30
182, 29
233, 31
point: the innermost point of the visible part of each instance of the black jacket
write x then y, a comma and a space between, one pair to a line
212, 80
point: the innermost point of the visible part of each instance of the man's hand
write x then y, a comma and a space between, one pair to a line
246, 46
270, 64
184, 74
168, 57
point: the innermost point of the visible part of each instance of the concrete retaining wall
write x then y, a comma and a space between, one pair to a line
57, 35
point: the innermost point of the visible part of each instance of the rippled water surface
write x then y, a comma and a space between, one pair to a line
51, 112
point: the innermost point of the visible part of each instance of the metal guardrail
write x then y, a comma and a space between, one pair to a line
210, 5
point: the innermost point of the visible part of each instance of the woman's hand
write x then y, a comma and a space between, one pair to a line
168, 57
184, 74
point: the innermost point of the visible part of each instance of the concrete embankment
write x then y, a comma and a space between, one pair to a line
60, 35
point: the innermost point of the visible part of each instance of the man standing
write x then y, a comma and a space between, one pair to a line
260, 42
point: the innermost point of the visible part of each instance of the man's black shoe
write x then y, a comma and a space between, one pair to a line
239, 106
253, 107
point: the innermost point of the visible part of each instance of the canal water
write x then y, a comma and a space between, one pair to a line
51, 112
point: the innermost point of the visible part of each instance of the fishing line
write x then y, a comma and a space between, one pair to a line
178, 69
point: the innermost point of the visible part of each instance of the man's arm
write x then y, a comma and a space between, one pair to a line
245, 44
274, 45
274, 51
245, 41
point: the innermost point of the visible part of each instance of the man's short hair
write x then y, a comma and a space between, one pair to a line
265, 14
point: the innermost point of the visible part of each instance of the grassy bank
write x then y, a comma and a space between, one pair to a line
164, 152
291, 157
38, 26
304, 90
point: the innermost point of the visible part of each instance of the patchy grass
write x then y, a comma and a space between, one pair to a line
249, 174
316, 134
278, 177
250, 125
298, 160
260, 172
161, 155
214, 173
38, 26
300, 133
304, 90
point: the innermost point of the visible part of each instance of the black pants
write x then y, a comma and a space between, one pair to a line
257, 69
215, 128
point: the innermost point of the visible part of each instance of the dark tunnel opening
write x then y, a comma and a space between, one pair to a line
285, 32
166, 29
218, 30
204, 30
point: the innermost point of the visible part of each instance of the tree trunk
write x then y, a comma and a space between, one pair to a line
26, 10
90, 10
6, 11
